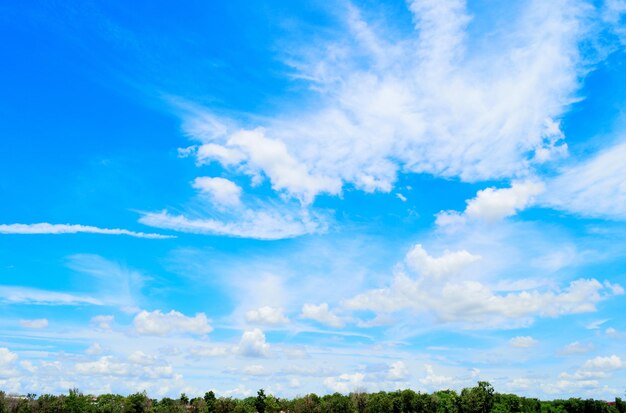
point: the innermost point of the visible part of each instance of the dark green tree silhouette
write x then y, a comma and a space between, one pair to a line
259, 403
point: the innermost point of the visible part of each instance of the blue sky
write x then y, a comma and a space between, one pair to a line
312, 197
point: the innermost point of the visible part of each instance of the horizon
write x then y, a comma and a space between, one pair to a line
313, 198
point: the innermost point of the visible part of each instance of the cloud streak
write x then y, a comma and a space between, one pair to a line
25, 295
47, 228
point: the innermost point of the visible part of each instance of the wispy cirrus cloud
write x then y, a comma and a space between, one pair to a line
265, 224
427, 102
595, 187
47, 228
25, 295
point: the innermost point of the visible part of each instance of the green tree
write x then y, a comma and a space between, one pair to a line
76, 402
110, 403
137, 403
225, 405
209, 399
259, 403
184, 399
359, 401
477, 399
447, 401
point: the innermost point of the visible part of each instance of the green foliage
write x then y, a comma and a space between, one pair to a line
209, 399
137, 403
3, 403
479, 399
260, 401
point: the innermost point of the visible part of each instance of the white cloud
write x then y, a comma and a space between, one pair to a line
25, 295
94, 348
36, 323
138, 367
577, 347
614, 333
28, 366
7, 364
435, 381
398, 371
158, 323
285, 172
7, 357
103, 321
322, 314
608, 363
450, 263
46, 228
474, 303
493, 204
267, 224
211, 152
596, 324
475, 113
613, 13
593, 188
344, 383
523, 342
223, 192
139, 357
106, 365
267, 315
253, 344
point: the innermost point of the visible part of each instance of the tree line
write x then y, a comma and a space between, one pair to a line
479, 399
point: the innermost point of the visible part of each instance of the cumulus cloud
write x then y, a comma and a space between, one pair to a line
344, 383
267, 315
601, 367
106, 365
523, 342
322, 314
158, 323
398, 371
7, 357
253, 344
474, 303
493, 204
36, 323
434, 380
46, 228
612, 362
450, 263
223, 192
7, 363
428, 102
